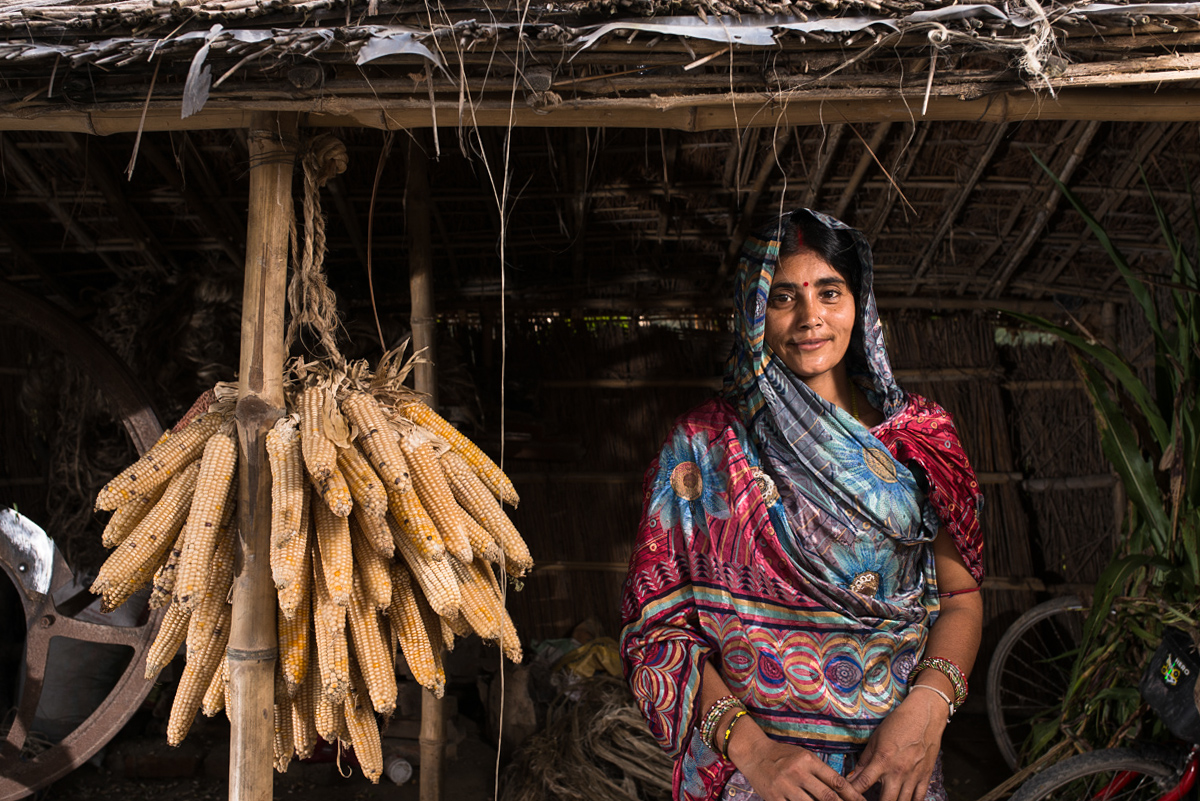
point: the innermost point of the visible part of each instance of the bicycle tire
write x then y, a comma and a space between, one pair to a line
1023, 680
1089, 776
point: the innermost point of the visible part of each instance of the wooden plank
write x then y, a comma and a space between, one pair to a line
252, 634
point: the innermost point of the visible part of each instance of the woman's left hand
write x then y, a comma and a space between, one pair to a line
901, 753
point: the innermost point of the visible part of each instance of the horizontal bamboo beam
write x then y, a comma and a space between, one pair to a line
689, 113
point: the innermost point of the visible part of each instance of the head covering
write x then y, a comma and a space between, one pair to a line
832, 473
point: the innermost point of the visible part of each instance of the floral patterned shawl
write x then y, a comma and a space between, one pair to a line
790, 544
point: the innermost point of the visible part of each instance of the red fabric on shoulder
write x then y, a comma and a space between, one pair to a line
924, 432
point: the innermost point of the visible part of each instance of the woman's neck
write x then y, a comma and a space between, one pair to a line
834, 386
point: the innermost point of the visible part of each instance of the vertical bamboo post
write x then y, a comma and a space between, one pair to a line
252, 640
424, 333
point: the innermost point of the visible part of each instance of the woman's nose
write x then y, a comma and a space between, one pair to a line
807, 313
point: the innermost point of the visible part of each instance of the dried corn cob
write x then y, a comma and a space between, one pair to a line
164, 577
459, 625
118, 592
365, 487
152, 538
477, 500
329, 628
377, 583
487, 470
434, 576
335, 493
334, 552
214, 698
483, 544
304, 727
294, 563
320, 454
364, 732
405, 509
479, 604
211, 602
289, 490
159, 464
510, 643
197, 675
171, 633
374, 658
127, 516
433, 625
378, 441
284, 742
409, 628
377, 531
295, 634
328, 715
215, 492
430, 484
446, 630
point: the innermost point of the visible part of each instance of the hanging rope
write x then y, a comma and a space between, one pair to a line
312, 303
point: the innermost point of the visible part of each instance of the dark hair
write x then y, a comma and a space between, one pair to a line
800, 231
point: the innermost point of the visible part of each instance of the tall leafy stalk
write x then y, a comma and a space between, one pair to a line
1151, 435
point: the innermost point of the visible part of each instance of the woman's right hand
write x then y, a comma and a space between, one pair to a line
781, 772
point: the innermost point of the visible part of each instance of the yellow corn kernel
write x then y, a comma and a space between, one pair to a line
127, 516
409, 629
378, 441
171, 633
329, 629
434, 576
197, 675
153, 537
365, 487
291, 566
479, 604
377, 583
214, 697
215, 492
364, 734
478, 500
334, 552
295, 634
414, 523
289, 489
159, 464
485, 468
373, 657
434, 493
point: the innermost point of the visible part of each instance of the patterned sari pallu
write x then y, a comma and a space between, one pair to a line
789, 544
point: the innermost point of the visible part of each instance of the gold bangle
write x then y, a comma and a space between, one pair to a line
729, 731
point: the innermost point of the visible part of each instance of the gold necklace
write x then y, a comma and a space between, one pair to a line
853, 402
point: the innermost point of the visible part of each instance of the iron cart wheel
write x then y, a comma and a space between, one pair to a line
1112, 774
37, 572
1030, 669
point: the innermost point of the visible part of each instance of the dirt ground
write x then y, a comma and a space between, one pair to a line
138, 766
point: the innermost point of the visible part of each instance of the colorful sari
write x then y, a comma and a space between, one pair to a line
791, 545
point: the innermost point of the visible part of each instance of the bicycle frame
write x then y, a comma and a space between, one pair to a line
1186, 781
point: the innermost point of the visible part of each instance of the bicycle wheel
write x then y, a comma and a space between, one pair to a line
1030, 669
1113, 774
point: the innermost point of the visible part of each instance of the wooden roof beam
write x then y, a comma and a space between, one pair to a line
913, 145
1158, 136
860, 169
1030, 236
99, 171
956, 207
766, 169
816, 180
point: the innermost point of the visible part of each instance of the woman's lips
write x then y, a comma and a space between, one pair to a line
811, 344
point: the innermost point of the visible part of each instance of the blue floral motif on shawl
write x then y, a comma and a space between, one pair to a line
689, 487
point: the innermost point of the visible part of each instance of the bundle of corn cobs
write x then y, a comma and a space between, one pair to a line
385, 526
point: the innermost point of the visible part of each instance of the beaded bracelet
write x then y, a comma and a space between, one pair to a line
708, 728
947, 669
729, 731
944, 697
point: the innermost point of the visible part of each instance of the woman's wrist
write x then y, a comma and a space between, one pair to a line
742, 741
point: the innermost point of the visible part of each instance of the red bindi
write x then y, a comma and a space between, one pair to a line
806, 283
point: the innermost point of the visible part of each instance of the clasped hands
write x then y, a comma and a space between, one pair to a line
899, 757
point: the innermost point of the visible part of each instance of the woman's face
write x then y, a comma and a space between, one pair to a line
810, 317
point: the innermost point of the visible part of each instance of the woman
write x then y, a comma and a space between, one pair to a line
809, 551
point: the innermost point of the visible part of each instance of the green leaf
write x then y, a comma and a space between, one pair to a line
1120, 369
1140, 292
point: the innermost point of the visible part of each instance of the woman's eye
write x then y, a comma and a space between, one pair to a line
780, 298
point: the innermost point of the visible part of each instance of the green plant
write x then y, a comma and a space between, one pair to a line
1152, 438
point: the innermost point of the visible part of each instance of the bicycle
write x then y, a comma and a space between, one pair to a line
1146, 772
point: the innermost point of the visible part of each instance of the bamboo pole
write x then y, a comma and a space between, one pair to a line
252, 641
424, 331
